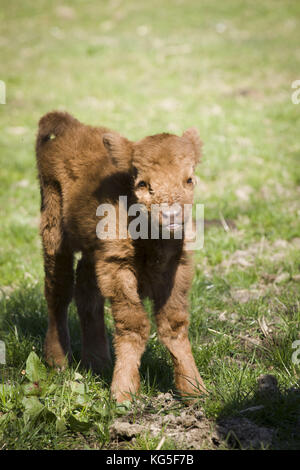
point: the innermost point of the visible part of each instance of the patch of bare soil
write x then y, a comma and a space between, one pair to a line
248, 258
277, 251
163, 416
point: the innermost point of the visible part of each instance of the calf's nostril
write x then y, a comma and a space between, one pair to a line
171, 214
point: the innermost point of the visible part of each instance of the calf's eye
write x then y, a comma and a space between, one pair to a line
142, 184
189, 180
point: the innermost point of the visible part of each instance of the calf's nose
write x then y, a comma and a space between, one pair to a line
170, 214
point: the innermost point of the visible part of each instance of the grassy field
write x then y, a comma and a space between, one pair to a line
140, 68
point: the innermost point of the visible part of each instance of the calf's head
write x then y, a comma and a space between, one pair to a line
162, 167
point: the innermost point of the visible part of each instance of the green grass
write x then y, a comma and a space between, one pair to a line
142, 68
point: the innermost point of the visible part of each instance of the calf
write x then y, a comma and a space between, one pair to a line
80, 168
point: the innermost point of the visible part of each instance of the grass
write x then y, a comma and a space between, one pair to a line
143, 68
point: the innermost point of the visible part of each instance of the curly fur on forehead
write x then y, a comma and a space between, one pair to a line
163, 149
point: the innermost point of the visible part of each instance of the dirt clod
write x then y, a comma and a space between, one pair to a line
165, 416
125, 430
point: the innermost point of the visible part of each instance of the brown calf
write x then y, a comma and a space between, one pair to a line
81, 167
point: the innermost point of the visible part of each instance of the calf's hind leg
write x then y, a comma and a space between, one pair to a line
58, 293
90, 307
58, 265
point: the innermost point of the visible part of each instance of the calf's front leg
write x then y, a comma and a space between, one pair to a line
131, 334
132, 329
172, 325
172, 320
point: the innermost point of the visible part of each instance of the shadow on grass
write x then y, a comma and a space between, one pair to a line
269, 420
156, 369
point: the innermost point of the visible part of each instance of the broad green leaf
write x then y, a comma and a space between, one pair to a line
77, 425
82, 400
60, 425
47, 390
78, 376
35, 369
33, 408
32, 389
102, 409
48, 415
77, 387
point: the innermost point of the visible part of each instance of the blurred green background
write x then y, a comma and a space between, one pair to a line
146, 67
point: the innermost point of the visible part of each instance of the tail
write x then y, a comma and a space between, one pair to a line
52, 125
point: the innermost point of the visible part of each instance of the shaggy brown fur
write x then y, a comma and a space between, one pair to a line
79, 168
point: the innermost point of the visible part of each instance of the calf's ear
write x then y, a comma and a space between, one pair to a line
193, 136
119, 149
